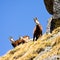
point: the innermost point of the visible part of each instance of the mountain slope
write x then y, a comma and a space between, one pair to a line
46, 47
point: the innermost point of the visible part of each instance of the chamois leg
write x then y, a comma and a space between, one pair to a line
41, 33
37, 38
33, 37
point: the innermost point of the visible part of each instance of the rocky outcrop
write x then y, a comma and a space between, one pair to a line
48, 25
53, 7
49, 6
46, 47
52, 24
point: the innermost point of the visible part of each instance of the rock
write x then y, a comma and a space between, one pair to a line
55, 57
56, 9
52, 24
49, 6
53, 7
48, 25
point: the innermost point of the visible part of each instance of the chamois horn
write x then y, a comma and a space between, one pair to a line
36, 20
11, 39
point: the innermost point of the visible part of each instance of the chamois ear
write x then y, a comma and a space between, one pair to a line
11, 39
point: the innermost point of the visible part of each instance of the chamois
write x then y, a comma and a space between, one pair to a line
22, 40
37, 32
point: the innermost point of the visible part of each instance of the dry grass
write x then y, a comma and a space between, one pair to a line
31, 50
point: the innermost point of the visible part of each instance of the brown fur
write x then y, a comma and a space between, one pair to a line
22, 40
37, 31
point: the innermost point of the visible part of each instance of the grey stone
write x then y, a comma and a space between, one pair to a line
48, 25
53, 7
55, 57
56, 9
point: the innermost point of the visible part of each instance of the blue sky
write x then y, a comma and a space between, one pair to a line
16, 19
